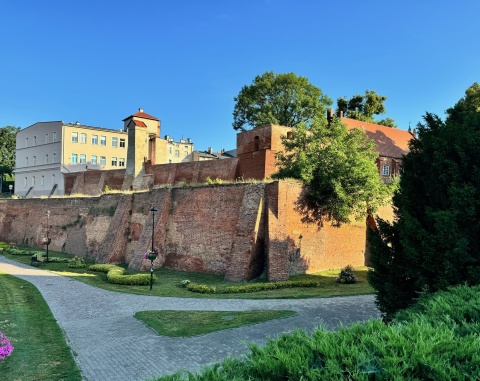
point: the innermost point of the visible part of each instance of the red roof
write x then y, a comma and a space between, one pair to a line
142, 114
390, 142
139, 123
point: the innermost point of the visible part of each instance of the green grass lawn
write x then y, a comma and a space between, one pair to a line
40, 349
168, 282
192, 323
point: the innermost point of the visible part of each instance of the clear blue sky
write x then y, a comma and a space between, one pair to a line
98, 61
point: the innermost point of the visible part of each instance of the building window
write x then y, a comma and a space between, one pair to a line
74, 158
54, 157
94, 139
46, 158
25, 182
26, 142
114, 161
386, 170
122, 143
54, 136
26, 162
74, 137
103, 160
114, 142
53, 180
34, 140
33, 181
121, 162
93, 160
46, 138
177, 153
256, 143
83, 158
34, 161
103, 140
289, 135
170, 150
83, 138
43, 180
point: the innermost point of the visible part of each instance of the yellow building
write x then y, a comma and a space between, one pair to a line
47, 150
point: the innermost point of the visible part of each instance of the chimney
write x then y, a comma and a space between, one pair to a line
210, 150
330, 114
340, 114
140, 109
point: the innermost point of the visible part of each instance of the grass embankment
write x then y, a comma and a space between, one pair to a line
193, 323
168, 282
40, 349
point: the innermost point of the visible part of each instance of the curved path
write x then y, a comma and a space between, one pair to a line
110, 344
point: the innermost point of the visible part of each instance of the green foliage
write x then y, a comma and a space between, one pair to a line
434, 242
253, 287
338, 168
7, 149
115, 274
76, 262
283, 99
347, 276
435, 340
25, 252
217, 181
364, 107
201, 288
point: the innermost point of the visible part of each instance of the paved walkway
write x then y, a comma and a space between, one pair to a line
109, 344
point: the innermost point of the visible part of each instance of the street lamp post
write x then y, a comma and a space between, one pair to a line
153, 210
48, 226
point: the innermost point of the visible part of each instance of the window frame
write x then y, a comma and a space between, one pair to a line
74, 137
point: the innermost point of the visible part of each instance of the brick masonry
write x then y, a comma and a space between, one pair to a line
237, 230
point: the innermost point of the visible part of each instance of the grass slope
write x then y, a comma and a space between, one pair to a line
40, 350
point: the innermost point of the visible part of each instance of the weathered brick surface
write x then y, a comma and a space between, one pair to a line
236, 230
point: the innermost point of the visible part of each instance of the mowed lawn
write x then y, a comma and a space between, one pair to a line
168, 282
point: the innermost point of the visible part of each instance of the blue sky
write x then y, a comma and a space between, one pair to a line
97, 62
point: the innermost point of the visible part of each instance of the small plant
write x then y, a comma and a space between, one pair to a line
151, 255
76, 262
184, 283
6, 348
347, 276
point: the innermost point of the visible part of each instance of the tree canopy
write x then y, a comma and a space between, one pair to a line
7, 149
338, 168
364, 107
435, 240
284, 99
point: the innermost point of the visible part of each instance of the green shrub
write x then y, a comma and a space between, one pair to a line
254, 287
76, 262
115, 274
347, 276
201, 288
184, 283
58, 259
24, 252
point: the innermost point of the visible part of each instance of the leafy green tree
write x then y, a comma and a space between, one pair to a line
284, 99
364, 107
7, 149
338, 168
435, 240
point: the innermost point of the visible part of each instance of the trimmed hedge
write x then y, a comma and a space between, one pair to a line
201, 288
25, 252
254, 287
115, 274
435, 340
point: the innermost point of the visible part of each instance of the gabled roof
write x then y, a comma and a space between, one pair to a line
139, 123
390, 142
141, 114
